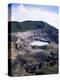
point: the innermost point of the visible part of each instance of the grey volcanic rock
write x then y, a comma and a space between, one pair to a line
22, 34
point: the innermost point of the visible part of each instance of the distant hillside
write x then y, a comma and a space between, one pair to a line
51, 31
29, 25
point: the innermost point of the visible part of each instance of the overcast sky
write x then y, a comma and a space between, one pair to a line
23, 12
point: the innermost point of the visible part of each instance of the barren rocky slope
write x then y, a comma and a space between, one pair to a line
27, 60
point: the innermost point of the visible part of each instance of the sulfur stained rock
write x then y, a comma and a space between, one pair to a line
12, 51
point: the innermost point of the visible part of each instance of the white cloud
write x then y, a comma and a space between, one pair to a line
22, 13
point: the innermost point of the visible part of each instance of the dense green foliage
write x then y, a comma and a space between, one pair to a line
30, 25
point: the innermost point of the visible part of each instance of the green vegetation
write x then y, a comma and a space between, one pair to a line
30, 25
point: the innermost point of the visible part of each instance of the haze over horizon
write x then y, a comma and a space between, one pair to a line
24, 12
